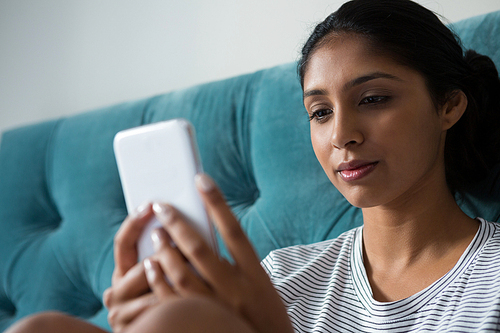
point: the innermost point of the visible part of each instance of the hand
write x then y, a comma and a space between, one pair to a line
129, 295
242, 286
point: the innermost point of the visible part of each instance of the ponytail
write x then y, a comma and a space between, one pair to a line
473, 143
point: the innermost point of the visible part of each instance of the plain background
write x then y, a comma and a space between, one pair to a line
61, 57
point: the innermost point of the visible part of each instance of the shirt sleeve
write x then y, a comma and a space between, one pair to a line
267, 264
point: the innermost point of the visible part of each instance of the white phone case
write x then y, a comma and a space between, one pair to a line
158, 163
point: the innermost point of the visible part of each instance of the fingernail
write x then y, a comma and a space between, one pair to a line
204, 182
150, 272
163, 211
155, 237
141, 209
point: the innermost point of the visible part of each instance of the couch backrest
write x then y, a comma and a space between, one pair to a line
61, 201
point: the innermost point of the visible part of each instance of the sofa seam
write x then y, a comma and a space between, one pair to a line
49, 166
99, 266
245, 144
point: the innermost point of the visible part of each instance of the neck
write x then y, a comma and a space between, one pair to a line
428, 223
410, 244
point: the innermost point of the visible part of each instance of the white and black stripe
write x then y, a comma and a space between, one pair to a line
325, 288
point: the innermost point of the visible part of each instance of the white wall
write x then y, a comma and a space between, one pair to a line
59, 57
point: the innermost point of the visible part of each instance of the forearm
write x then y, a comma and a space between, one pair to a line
189, 314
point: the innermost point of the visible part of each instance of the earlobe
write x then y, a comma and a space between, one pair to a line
453, 109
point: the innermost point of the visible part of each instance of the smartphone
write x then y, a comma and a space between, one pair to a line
158, 163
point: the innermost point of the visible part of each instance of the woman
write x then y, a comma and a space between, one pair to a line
401, 119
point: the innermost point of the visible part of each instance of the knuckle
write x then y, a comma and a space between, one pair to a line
107, 297
112, 318
182, 280
118, 239
217, 199
242, 297
198, 249
115, 277
152, 300
237, 303
235, 233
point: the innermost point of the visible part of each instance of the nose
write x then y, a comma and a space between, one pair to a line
346, 129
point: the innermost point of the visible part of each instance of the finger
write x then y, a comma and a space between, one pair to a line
119, 317
187, 239
133, 284
156, 279
189, 243
125, 241
178, 271
228, 226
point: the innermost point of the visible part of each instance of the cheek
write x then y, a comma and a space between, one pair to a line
411, 148
323, 150
320, 144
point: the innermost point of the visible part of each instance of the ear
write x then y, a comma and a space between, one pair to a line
453, 109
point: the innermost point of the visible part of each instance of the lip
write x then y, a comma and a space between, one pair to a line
355, 170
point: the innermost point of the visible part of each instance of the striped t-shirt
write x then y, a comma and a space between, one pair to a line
325, 289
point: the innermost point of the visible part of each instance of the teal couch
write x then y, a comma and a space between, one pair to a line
61, 201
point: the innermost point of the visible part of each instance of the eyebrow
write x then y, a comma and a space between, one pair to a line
357, 81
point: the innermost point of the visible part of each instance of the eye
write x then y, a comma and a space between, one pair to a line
374, 100
320, 115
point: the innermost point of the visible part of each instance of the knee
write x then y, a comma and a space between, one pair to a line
39, 323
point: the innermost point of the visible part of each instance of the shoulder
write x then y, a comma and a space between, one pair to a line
489, 233
489, 241
292, 259
484, 265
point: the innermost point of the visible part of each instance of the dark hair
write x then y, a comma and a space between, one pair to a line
415, 37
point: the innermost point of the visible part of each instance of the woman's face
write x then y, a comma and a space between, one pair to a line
374, 127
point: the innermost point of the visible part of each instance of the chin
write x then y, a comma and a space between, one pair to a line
361, 198
362, 203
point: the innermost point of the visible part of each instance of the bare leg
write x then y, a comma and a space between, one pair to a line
53, 322
194, 315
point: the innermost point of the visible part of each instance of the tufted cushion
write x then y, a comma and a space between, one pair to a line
61, 200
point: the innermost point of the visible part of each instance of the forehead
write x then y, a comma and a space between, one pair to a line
345, 57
